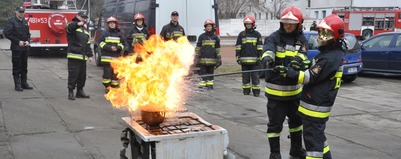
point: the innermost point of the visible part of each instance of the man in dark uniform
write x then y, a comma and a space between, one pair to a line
282, 47
78, 53
322, 82
172, 30
17, 30
313, 26
248, 50
137, 35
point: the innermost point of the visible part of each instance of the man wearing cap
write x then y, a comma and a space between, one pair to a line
17, 31
172, 30
78, 53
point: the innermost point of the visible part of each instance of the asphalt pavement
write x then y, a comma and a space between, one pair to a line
43, 124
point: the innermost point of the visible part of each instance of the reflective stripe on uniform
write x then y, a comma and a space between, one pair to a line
268, 53
301, 77
296, 129
238, 47
106, 81
314, 155
209, 42
251, 40
283, 91
202, 84
326, 147
76, 56
272, 135
255, 87
249, 60
286, 54
210, 83
107, 58
208, 61
112, 39
260, 47
313, 110
246, 85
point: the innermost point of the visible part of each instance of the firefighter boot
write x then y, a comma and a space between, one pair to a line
81, 93
256, 92
246, 91
327, 155
17, 83
24, 84
274, 148
71, 94
296, 145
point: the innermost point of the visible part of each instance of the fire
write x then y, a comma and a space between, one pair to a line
156, 83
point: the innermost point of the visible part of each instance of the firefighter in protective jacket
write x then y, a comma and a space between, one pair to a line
138, 34
111, 43
322, 82
248, 50
207, 54
77, 53
283, 47
172, 30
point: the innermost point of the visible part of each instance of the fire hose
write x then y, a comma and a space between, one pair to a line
238, 72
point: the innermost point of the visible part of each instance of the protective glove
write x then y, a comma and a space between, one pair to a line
238, 60
291, 73
307, 64
280, 69
218, 63
297, 63
267, 61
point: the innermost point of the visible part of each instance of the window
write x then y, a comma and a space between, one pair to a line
260, 15
379, 42
398, 43
267, 15
324, 13
316, 14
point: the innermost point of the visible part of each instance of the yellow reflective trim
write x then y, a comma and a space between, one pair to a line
326, 149
296, 129
267, 53
273, 135
255, 87
112, 41
246, 86
102, 44
280, 54
209, 83
283, 93
106, 81
302, 56
301, 77
310, 157
312, 113
291, 53
105, 60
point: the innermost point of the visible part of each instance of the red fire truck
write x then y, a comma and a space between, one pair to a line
365, 23
47, 20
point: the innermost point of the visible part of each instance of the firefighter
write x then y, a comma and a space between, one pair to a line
111, 43
248, 50
281, 48
172, 30
322, 82
17, 31
139, 33
207, 54
78, 53
313, 26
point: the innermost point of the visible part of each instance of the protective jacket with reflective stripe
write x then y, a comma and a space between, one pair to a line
109, 38
322, 82
208, 48
284, 47
249, 46
78, 41
171, 31
136, 36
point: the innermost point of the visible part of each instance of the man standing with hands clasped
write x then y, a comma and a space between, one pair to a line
17, 30
78, 52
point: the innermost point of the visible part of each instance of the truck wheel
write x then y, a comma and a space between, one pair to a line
349, 78
366, 34
98, 56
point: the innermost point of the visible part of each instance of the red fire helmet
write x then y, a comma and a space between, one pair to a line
292, 15
139, 16
112, 19
249, 20
334, 24
207, 22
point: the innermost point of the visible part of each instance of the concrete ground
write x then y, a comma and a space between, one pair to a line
43, 124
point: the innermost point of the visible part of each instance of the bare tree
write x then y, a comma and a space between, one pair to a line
229, 8
274, 7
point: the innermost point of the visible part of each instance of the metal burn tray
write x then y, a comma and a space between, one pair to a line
175, 126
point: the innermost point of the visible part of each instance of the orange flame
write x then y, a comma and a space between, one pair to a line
156, 83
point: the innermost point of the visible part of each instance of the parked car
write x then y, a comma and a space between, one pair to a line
352, 58
1, 34
382, 53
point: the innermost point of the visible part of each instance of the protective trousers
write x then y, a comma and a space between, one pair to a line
20, 63
206, 81
109, 77
247, 77
316, 143
76, 73
277, 110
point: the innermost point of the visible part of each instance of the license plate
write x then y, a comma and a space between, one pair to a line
352, 70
